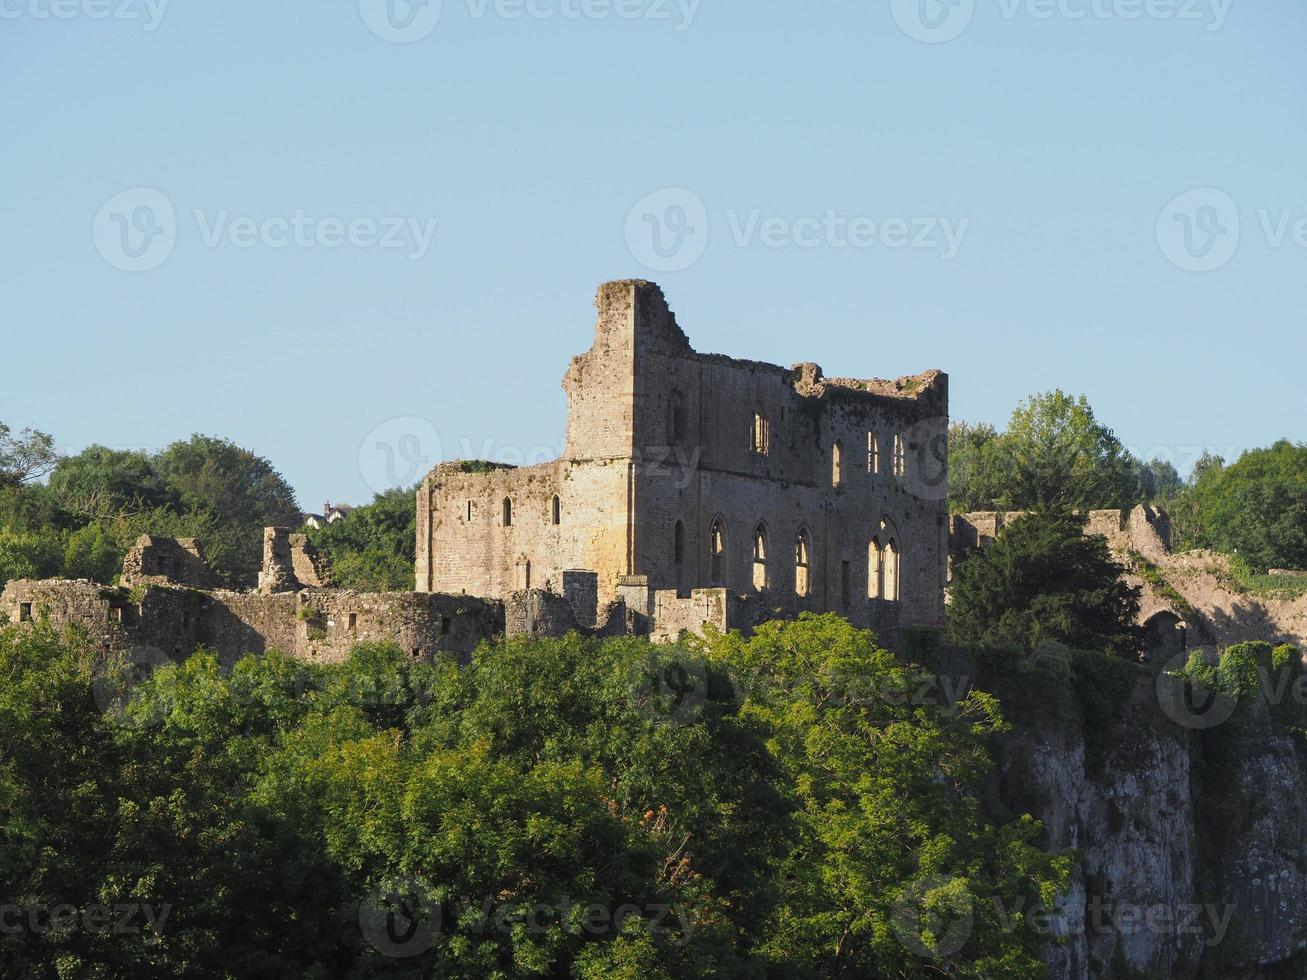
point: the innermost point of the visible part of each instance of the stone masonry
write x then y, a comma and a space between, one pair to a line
780, 488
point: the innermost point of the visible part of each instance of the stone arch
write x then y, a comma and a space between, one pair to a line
717, 552
891, 559
760, 558
1166, 632
675, 418
803, 563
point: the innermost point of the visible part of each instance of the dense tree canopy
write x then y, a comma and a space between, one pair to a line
373, 550
97, 502
1054, 453
771, 807
25, 456
1257, 507
1042, 580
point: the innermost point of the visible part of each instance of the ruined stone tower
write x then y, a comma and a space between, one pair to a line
687, 471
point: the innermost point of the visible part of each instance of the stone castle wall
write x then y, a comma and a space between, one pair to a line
661, 447
317, 625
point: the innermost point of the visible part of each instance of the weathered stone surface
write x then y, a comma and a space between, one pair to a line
166, 561
661, 445
1189, 591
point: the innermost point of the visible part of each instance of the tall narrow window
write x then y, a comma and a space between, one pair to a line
802, 583
678, 544
836, 464
900, 455
875, 583
508, 512
469, 512
891, 571
761, 435
675, 419
873, 453
716, 553
760, 558
556, 511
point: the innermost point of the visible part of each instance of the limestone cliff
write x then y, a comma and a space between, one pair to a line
1189, 828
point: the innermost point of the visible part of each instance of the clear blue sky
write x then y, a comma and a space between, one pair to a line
1054, 142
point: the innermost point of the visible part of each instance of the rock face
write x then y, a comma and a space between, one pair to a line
1191, 841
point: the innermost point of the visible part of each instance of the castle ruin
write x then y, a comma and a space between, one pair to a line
697, 485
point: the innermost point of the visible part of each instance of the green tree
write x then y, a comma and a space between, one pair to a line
373, 550
1157, 479
1256, 508
241, 492
569, 807
978, 474
102, 484
25, 456
888, 826
1043, 580
92, 553
29, 554
1062, 456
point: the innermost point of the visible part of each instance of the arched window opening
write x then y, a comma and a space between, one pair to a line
900, 455
802, 576
875, 581
556, 511
761, 434
760, 558
508, 512
873, 453
678, 544
892, 571
675, 419
716, 553
836, 464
